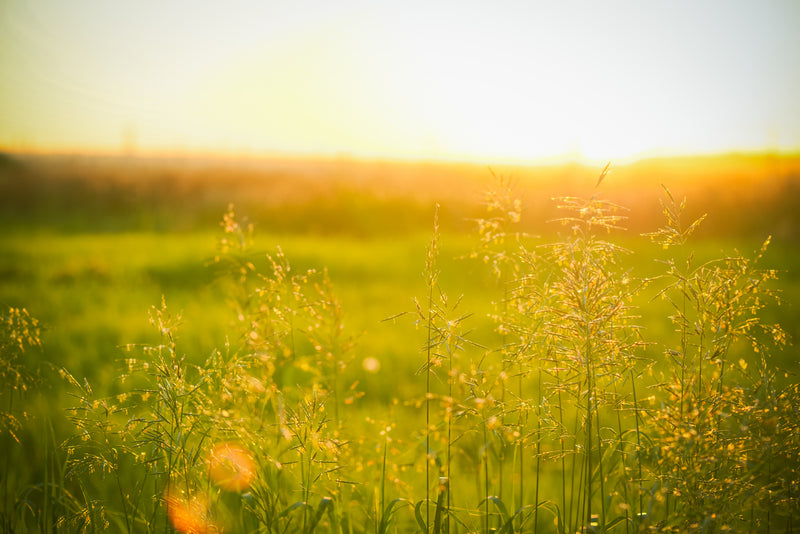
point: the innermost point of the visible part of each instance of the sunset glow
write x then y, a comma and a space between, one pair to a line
476, 81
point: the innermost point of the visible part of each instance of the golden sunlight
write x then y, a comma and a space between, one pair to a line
452, 81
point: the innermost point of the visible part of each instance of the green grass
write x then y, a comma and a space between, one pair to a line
116, 432
92, 291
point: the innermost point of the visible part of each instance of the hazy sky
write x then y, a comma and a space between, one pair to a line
488, 81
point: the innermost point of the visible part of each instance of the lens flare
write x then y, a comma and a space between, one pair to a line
231, 467
189, 516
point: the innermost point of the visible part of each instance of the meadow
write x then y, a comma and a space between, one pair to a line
345, 346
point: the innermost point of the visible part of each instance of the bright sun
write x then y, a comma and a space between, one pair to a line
465, 81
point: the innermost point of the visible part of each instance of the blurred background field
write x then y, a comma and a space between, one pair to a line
88, 245
745, 195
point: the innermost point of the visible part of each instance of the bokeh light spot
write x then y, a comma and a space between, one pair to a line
231, 467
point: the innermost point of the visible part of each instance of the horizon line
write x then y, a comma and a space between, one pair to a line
246, 155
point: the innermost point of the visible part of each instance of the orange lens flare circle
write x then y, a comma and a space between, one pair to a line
231, 467
188, 516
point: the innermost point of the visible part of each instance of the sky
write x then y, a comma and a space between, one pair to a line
481, 81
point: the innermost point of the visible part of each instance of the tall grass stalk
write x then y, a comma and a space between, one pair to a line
564, 517
639, 450
431, 277
20, 333
538, 450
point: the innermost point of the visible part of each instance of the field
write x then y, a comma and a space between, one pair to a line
334, 353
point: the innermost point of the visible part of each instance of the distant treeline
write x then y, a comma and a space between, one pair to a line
743, 195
